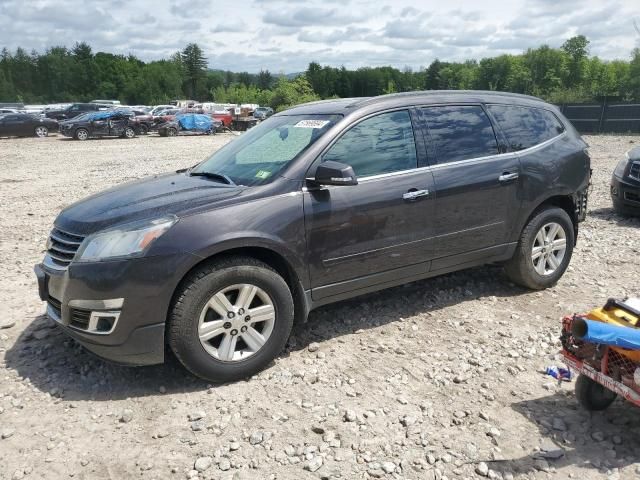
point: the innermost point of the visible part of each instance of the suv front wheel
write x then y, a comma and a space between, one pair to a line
230, 319
544, 250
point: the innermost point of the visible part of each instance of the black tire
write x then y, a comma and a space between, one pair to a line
144, 130
129, 133
81, 134
41, 131
520, 268
193, 295
172, 132
593, 396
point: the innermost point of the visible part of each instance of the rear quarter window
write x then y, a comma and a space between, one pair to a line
526, 127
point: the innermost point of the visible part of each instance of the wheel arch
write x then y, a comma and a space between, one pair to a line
566, 202
270, 257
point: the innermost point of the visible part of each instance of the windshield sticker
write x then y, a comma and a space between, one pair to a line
262, 174
311, 123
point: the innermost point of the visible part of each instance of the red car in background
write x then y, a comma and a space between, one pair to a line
225, 118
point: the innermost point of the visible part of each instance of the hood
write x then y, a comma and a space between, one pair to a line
153, 197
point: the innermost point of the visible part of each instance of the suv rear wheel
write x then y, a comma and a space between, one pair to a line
230, 319
544, 250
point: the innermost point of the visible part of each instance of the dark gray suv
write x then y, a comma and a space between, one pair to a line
322, 202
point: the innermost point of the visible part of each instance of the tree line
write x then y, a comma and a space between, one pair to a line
60, 74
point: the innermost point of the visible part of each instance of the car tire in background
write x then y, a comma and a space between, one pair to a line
544, 249
81, 134
129, 132
172, 132
144, 130
41, 131
230, 319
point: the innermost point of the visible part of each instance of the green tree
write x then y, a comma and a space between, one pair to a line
194, 64
577, 48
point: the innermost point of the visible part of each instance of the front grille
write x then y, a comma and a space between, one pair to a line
62, 247
634, 171
632, 197
55, 305
80, 318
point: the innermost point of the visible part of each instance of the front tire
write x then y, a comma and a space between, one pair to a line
544, 250
230, 319
129, 133
82, 134
593, 396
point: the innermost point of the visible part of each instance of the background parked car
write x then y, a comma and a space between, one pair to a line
26, 125
165, 116
625, 184
262, 113
112, 123
74, 110
189, 123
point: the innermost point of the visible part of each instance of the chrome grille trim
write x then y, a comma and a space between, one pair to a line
61, 248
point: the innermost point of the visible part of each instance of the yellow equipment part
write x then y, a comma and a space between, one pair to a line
620, 318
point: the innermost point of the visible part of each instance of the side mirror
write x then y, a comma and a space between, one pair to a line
335, 173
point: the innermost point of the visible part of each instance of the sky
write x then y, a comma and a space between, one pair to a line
283, 36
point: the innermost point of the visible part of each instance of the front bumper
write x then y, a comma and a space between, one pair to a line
625, 194
115, 309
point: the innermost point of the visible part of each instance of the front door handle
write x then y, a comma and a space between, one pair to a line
413, 195
508, 177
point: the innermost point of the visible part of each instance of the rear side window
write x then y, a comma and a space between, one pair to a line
460, 132
526, 127
377, 145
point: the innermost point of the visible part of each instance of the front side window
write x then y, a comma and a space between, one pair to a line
377, 145
260, 154
460, 132
526, 127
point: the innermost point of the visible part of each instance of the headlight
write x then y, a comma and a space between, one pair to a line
126, 241
622, 166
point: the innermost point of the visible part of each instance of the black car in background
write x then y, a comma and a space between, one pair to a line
74, 110
319, 203
625, 184
101, 124
26, 125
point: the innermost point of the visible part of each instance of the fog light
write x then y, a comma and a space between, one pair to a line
102, 322
614, 190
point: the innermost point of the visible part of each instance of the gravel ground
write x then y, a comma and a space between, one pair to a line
439, 379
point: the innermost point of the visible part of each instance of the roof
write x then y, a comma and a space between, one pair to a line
343, 105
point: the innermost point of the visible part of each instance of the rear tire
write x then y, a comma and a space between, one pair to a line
544, 250
172, 132
129, 133
41, 131
200, 310
593, 396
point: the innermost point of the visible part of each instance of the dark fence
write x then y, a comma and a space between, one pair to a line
614, 117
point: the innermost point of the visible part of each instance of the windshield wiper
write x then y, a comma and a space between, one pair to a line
214, 176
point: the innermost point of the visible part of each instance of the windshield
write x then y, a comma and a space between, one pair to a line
263, 152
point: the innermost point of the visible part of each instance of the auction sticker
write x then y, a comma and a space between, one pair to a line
311, 123
262, 174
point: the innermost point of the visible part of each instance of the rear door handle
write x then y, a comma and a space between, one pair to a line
414, 195
508, 177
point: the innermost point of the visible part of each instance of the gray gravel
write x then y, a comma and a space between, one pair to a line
439, 379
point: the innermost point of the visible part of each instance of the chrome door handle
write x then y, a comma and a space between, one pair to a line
415, 194
507, 177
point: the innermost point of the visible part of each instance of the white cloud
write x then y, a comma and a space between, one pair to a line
285, 35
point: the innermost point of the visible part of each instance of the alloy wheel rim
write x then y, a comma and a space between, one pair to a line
236, 322
82, 135
129, 133
549, 248
41, 132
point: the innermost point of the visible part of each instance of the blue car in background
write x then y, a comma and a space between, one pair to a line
190, 123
